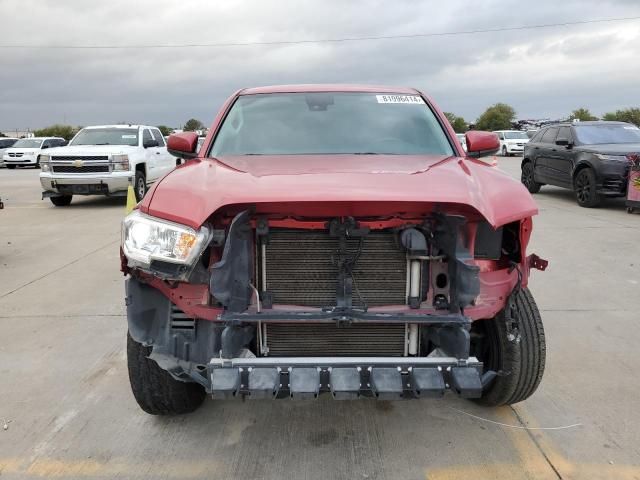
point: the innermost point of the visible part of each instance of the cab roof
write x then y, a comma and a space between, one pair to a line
121, 125
342, 88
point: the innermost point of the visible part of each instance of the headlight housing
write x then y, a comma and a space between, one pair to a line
44, 160
146, 239
613, 158
120, 163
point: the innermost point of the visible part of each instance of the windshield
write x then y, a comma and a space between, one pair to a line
611, 133
516, 136
330, 123
28, 143
106, 136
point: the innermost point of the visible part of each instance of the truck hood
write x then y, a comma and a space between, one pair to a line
195, 190
611, 148
90, 150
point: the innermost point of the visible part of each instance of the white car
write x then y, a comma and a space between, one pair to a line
463, 141
6, 142
105, 160
25, 151
512, 142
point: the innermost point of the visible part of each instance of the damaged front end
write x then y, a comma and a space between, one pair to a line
279, 305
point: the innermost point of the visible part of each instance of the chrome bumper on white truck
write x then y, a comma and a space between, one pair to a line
112, 184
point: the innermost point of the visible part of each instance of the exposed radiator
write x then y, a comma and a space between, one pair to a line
300, 269
320, 340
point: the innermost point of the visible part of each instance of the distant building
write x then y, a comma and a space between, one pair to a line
18, 133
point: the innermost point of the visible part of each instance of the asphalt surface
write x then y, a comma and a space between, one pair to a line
69, 413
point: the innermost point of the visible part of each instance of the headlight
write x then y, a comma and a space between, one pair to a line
614, 158
145, 238
43, 160
120, 163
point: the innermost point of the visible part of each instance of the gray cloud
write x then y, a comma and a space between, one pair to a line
543, 72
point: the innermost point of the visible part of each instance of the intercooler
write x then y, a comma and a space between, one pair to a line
300, 268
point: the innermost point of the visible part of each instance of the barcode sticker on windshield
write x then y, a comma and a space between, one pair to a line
128, 136
415, 99
631, 127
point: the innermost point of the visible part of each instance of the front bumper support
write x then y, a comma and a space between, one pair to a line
385, 378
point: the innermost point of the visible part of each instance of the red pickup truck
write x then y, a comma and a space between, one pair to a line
331, 239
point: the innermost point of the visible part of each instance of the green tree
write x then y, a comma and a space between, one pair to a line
164, 130
631, 115
193, 125
458, 123
65, 131
582, 114
496, 117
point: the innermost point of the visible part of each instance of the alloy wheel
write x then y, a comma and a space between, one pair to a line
141, 187
583, 187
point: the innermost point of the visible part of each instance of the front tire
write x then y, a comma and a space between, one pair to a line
140, 185
527, 178
504, 151
62, 200
518, 361
584, 187
155, 390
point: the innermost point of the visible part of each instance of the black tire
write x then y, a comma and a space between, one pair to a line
504, 151
629, 209
140, 185
61, 201
527, 178
11, 166
155, 390
519, 363
584, 186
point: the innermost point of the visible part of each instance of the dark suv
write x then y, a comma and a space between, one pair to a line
591, 158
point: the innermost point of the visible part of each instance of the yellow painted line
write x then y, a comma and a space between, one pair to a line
531, 463
57, 468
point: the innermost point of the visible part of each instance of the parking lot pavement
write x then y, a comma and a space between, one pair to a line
65, 398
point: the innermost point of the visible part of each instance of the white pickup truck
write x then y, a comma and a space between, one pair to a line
103, 160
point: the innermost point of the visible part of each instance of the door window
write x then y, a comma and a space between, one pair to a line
565, 134
158, 137
550, 135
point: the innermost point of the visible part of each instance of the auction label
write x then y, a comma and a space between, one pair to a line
415, 99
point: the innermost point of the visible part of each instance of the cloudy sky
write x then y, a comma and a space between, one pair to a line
544, 72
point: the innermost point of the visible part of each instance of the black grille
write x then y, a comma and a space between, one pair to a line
615, 184
84, 157
300, 269
318, 340
83, 169
16, 154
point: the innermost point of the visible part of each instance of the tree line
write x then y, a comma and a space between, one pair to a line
68, 131
502, 116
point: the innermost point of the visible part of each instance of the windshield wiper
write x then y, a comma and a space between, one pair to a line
106, 143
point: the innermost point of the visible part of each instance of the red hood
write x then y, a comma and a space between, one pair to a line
192, 192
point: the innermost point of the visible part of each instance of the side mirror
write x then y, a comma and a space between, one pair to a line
563, 142
183, 145
44, 146
150, 143
481, 144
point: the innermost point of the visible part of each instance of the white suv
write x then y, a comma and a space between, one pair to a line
26, 150
512, 142
103, 160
